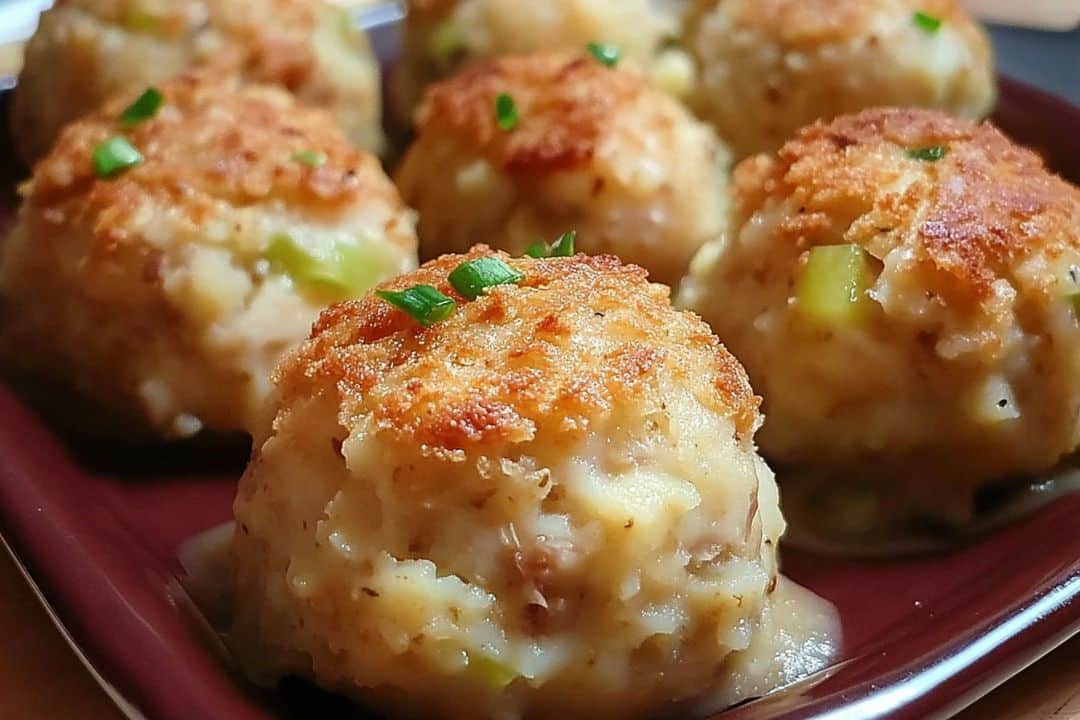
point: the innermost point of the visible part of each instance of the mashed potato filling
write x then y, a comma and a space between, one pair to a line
597, 150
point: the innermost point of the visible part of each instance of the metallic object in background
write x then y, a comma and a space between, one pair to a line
1044, 14
1048, 60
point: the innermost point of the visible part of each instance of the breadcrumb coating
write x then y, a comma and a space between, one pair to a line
512, 361
965, 367
87, 51
154, 295
595, 149
977, 213
766, 69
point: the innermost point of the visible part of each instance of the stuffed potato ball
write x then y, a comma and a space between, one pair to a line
518, 149
86, 51
444, 36
545, 502
903, 288
768, 67
171, 247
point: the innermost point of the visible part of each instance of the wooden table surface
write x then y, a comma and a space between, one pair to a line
40, 678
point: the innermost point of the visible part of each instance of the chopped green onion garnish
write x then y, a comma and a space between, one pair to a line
1075, 300
928, 154
605, 53
506, 114
144, 108
346, 269
473, 277
537, 250
832, 289
311, 158
423, 303
563, 247
447, 40
140, 20
926, 22
347, 26
114, 156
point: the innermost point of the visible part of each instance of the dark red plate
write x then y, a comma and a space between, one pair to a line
923, 636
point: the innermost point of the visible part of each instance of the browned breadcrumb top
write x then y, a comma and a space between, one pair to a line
567, 103
213, 141
796, 23
977, 212
275, 36
575, 339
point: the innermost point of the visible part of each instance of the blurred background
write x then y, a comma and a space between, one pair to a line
1038, 41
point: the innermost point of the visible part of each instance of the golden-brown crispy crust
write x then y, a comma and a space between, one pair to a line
518, 361
213, 141
977, 212
277, 40
567, 103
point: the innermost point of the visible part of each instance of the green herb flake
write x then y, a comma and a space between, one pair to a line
448, 42
472, 278
423, 303
144, 108
926, 22
506, 113
311, 158
563, 247
140, 20
114, 156
537, 250
671, 42
605, 53
933, 153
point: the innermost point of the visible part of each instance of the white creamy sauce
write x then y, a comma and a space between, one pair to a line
799, 635
207, 562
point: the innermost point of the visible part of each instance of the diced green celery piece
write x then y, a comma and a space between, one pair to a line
832, 289
346, 23
347, 270
447, 40
140, 20
1075, 300
494, 673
